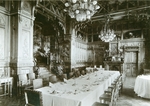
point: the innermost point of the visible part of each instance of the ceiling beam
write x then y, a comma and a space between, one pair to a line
122, 12
53, 12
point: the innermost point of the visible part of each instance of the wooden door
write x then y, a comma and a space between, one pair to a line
131, 61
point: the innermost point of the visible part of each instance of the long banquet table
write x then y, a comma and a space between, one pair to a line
142, 86
81, 91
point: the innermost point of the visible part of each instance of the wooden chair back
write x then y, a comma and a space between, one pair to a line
31, 77
112, 97
37, 83
22, 79
33, 98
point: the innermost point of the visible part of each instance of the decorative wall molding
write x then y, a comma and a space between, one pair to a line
131, 48
2, 19
2, 39
26, 6
4, 72
131, 44
26, 23
78, 53
21, 70
132, 40
23, 15
21, 64
25, 44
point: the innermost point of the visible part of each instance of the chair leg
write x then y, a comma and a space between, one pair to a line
20, 92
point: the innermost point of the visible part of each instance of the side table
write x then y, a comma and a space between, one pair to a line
7, 81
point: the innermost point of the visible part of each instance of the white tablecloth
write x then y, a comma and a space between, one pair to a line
82, 91
142, 86
92, 69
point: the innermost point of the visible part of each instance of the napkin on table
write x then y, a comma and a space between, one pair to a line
65, 80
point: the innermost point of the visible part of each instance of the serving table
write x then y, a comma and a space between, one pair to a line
81, 91
7, 81
142, 86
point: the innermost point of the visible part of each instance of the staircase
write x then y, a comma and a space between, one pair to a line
44, 73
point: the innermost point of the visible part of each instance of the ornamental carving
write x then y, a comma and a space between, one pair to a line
26, 7
132, 44
26, 23
2, 19
25, 44
2, 43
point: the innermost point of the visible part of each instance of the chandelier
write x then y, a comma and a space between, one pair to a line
82, 10
106, 33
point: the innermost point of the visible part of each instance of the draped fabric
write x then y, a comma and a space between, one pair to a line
142, 86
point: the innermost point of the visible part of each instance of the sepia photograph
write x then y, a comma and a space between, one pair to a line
74, 52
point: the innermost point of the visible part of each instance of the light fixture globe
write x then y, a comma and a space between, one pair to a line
82, 10
85, 1
77, 11
94, 2
67, 4
74, 1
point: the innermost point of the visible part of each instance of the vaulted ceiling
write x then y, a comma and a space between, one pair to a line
123, 14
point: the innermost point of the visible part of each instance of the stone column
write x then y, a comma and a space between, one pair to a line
4, 43
21, 50
21, 39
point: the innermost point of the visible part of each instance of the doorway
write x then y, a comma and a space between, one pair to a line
131, 63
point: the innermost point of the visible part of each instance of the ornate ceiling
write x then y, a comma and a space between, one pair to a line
123, 14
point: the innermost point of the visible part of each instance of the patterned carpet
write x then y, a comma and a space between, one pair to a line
127, 98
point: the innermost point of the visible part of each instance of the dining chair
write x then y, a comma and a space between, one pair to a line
107, 99
23, 83
116, 93
118, 87
23, 79
109, 90
37, 83
33, 98
31, 77
112, 86
120, 82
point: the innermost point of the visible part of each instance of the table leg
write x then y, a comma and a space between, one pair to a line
5, 86
10, 90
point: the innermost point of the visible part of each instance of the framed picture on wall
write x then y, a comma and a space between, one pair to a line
113, 49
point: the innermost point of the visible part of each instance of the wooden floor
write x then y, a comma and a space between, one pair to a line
127, 98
